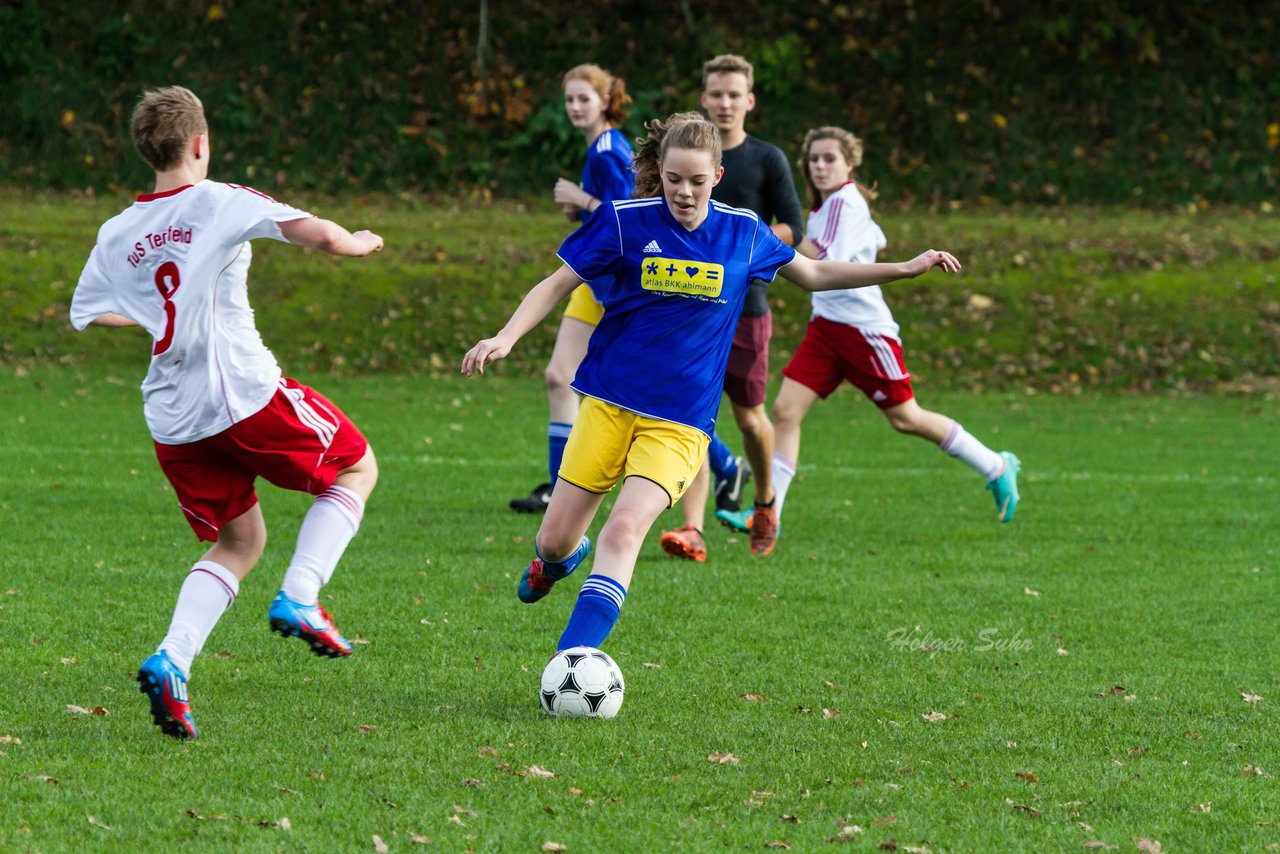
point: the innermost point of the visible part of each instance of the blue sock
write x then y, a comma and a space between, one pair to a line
723, 463
558, 569
596, 612
557, 436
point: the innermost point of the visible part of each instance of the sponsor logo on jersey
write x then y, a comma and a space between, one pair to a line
688, 278
652, 246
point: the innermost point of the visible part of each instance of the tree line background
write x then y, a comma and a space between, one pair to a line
976, 100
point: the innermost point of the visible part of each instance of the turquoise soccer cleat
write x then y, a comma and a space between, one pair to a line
1005, 487
736, 520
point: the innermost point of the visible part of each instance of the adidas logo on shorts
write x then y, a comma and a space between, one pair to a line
653, 247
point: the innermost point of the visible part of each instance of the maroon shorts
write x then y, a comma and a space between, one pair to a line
832, 352
298, 441
747, 373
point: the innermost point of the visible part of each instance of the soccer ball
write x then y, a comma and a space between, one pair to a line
582, 682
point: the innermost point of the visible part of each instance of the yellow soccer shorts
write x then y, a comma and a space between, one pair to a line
583, 306
608, 444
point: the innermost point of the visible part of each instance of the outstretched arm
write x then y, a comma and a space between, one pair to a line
838, 275
316, 233
536, 305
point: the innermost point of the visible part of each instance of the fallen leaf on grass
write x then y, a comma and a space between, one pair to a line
367, 728
847, 833
1029, 810
100, 711
44, 778
832, 713
472, 783
779, 845
10, 739
1251, 771
1249, 698
461, 810
453, 819
1205, 807
285, 824
574, 791
888, 819
550, 846
752, 698
1030, 592
535, 771
97, 823
720, 757
379, 845
789, 818
652, 665
1062, 651
1026, 777
71, 660
889, 845
933, 717
420, 839
1096, 844
486, 751
1148, 846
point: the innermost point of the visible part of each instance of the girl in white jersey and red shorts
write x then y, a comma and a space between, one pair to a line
852, 334
220, 412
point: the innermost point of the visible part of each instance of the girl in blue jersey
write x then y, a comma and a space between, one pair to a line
671, 268
596, 103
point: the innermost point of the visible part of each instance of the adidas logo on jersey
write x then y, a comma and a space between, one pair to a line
653, 247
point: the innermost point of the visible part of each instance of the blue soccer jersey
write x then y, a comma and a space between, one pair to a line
671, 303
608, 174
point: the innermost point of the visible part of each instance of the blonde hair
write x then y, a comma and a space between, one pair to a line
609, 88
728, 63
164, 121
850, 149
680, 130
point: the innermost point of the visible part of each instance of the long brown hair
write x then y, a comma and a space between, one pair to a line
680, 130
850, 148
609, 88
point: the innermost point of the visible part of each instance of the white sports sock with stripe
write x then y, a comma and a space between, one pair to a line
783, 470
329, 526
210, 589
961, 445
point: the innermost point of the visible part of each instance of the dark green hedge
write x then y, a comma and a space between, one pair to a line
960, 100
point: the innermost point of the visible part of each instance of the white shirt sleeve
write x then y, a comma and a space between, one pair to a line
851, 233
251, 214
94, 296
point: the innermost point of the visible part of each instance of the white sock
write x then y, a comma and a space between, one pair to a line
329, 526
783, 470
961, 445
210, 589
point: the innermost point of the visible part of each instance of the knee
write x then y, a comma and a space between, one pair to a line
247, 542
623, 531
786, 414
753, 421
903, 422
557, 378
555, 545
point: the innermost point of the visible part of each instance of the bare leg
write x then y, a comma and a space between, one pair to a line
911, 419
639, 504
693, 504
757, 445
568, 516
361, 477
570, 347
789, 409
240, 542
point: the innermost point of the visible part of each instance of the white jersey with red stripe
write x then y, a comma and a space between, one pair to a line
843, 230
177, 263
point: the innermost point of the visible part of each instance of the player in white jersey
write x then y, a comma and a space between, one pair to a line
220, 412
852, 334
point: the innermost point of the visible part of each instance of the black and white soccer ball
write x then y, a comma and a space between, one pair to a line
582, 682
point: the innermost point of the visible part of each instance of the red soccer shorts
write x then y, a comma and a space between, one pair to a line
832, 352
747, 372
298, 441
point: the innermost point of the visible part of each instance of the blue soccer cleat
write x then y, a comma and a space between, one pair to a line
736, 520
541, 575
309, 622
166, 688
1005, 487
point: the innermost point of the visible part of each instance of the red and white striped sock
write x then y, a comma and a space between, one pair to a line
210, 589
329, 526
961, 445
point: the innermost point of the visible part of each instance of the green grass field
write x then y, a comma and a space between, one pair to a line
1093, 667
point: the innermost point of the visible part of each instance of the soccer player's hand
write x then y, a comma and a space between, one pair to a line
488, 350
371, 241
926, 261
568, 193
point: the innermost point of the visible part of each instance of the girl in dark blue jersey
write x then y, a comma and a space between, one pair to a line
596, 103
672, 269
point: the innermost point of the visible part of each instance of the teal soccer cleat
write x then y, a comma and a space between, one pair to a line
311, 623
541, 575
1005, 487
166, 688
736, 520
